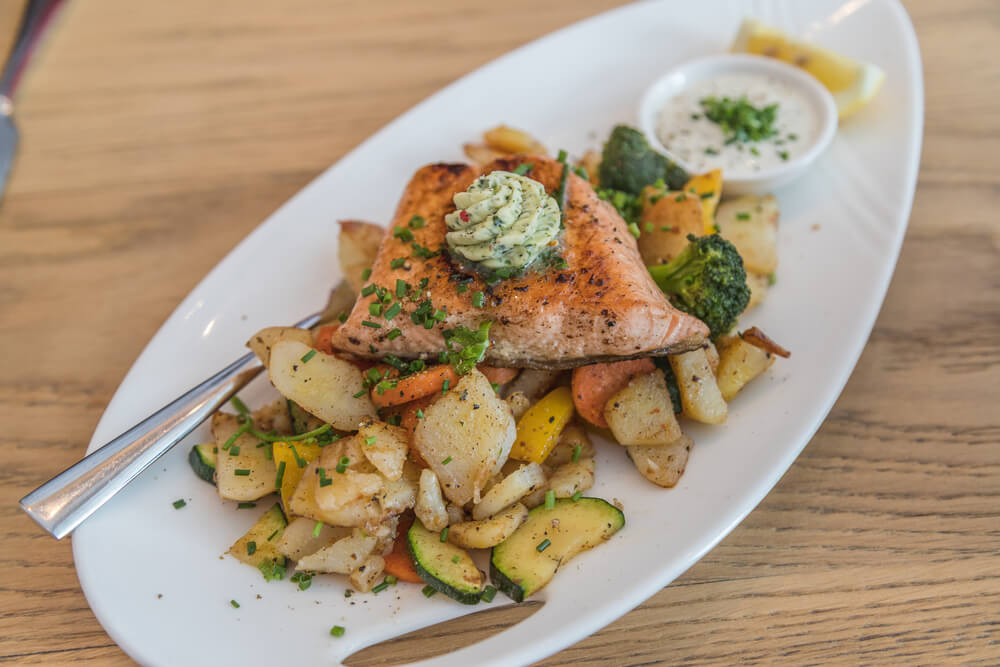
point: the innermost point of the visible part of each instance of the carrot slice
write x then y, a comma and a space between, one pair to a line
323, 338
424, 383
593, 385
498, 375
398, 562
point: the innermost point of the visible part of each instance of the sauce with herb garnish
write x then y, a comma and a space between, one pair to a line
504, 221
740, 122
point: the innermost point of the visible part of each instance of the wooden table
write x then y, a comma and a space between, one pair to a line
154, 139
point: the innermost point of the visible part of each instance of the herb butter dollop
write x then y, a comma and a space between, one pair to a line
504, 221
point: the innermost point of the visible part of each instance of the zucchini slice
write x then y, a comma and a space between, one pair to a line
443, 566
259, 547
202, 460
527, 560
302, 421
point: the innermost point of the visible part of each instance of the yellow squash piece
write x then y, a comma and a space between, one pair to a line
307, 453
708, 187
539, 429
852, 83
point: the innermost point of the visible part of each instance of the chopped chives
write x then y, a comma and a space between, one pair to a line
179, 504
439, 315
342, 464
543, 545
489, 593
307, 356
371, 325
240, 431
649, 227
461, 289
550, 499
401, 288
633, 229
495, 386
272, 535
665, 228
375, 309
446, 461
251, 548
280, 476
783, 155
381, 587
234, 604
242, 472
370, 440
348, 593
337, 631
576, 453
342, 317
366, 274
428, 591
707, 195
308, 435
420, 413
391, 580
317, 528
359, 394
454, 559
576, 496
444, 534
299, 461
234, 450
397, 263
240, 406
394, 420
445, 386
394, 334
367, 290
478, 299
403, 234
742, 215
246, 506
524, 168
393, 311
563, 155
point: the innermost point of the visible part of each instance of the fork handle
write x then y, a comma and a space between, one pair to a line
37, 14
66, 500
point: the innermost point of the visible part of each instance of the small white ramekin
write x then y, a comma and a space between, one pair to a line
761, 182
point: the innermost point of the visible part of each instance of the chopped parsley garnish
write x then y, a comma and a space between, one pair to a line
416, 222
473, 346
303, 579
403, 234
739, 120
454, 559
524, 168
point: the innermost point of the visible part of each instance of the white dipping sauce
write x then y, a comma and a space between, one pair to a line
701, 144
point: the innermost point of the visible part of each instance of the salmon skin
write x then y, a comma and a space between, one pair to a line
603, 306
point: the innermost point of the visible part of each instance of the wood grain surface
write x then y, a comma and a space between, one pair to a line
157, 135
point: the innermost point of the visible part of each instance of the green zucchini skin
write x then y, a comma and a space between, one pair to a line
433, 561
518, 569
202, 459
302, 421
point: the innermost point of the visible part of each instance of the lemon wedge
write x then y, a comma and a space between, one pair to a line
852, 83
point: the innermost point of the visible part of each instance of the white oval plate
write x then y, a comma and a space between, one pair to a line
841, 229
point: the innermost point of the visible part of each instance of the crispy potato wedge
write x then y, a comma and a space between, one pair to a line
357, 246
298, 539
386, 447
699, 391
642, 414
364, 512
512, 488
739, 362
667, 219
242, 454
759, 286
751, 224
430, 507
662, 466
510, 140
367, 574
490, 532
262, 341
342, 557
325, 386
572, 477
465, 437
573, 436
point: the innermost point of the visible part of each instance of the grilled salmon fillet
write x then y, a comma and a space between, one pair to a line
603, 307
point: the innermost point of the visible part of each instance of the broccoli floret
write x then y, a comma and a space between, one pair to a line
629, 207
629, 164
706, 280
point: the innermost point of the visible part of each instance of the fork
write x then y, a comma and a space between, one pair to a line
37, 14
